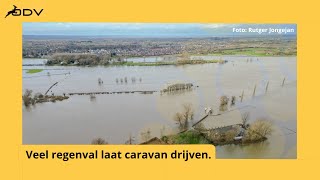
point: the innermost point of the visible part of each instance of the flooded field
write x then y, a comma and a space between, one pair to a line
115, 117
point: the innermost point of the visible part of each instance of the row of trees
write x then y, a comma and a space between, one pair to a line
81, 59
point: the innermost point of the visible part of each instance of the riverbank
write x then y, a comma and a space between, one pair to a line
255, 52
164, 63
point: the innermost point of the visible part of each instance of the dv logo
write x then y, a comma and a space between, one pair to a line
23, 12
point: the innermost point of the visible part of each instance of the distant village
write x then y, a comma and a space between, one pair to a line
135, 47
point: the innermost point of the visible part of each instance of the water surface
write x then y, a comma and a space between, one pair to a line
115, 117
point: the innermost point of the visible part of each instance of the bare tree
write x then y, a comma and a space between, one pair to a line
130, 140
245, 118
178, 117
145, 136
187, 111
162, 131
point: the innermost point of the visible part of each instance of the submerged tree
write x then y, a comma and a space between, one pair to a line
100, 81
178, 117
162, 131
233, 100
146, 135
27, 98
130, 140
133, 79
188, 112
182, 118
92, 97
224, 100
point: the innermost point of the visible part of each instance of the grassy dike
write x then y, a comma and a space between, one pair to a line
32, 71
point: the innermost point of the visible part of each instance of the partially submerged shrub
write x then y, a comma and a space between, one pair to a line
224, 100
27, 98
99, 141
258, 130
100, 81
57, 98
92, 97
133, 79
38, 96
233, 100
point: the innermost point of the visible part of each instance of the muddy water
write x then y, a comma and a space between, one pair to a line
115, 117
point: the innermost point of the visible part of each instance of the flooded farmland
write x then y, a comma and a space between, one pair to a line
115, 117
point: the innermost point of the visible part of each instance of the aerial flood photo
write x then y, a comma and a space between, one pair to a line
233, 86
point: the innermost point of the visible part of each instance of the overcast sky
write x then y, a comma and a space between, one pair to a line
143, 29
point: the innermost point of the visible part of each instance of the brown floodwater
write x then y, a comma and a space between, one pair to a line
115, 117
